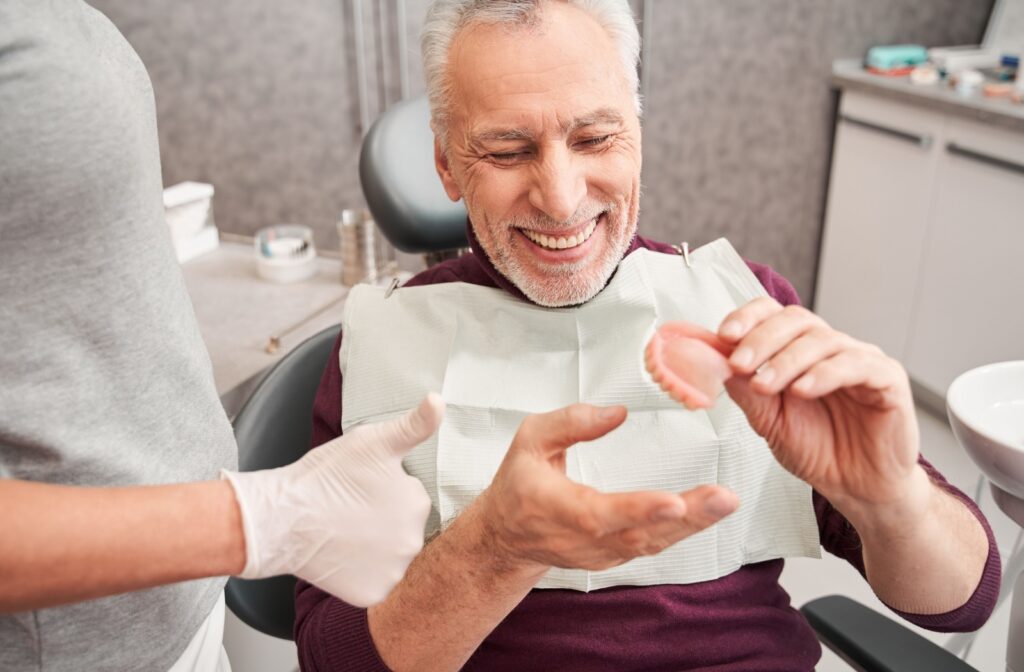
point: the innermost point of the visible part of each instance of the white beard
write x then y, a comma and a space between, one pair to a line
564, 284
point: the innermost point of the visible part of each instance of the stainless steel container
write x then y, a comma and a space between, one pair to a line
366, 255
357, 236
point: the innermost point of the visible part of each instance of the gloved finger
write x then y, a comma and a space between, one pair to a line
401, 435
372, 588
549, 434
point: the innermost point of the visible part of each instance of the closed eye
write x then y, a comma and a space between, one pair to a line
595, 142
508, 157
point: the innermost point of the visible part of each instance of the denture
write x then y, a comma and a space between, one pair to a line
689, 362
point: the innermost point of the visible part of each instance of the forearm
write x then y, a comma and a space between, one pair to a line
925, 555
453, 595
61, 544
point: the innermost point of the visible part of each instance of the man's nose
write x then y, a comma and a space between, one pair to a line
559, 185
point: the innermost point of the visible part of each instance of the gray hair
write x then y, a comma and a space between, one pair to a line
446, 17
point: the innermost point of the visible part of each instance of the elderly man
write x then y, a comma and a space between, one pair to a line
535, 112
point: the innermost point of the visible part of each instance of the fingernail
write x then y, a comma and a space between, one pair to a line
608, 413
719, 504
765, 374
731, 329
671, 512
742, 357
805, 383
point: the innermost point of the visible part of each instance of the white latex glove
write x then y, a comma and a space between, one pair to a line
346, 517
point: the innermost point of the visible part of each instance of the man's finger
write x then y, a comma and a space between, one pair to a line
551, 433
736, 324
797, 357
605, 513
772, 335
850, 368
405, 433
616, 511
705, 505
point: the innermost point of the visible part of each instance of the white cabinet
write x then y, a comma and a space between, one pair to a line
877, 215
923, 248
971, 305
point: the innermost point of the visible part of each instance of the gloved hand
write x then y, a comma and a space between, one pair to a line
346, 517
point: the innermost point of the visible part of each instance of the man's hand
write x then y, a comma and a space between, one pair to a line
533, 515
345, 517
836, 412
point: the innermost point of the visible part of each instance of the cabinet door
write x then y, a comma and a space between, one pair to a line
876, 219
971, 307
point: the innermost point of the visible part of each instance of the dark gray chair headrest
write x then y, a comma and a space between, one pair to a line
401, 186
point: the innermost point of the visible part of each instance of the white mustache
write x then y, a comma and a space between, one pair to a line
552, 226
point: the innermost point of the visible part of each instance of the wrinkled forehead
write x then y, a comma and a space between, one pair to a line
544, 77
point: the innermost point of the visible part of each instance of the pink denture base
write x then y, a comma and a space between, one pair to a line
689, 362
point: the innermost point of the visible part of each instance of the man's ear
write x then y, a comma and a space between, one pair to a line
444, 172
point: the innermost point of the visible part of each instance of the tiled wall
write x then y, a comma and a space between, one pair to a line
262, 98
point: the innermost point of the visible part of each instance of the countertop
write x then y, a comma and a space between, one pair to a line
238, 312
850, 74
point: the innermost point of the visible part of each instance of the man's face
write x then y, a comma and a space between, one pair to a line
544, 148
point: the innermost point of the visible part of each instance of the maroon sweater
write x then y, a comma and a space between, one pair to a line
742, 621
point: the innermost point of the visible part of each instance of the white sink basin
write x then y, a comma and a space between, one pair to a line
986, 410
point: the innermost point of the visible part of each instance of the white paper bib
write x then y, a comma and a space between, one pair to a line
495, 359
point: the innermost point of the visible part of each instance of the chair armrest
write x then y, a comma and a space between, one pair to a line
871, 642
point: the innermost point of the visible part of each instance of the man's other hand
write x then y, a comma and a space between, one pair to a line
533, 515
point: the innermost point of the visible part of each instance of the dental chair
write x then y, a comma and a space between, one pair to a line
401, 186
274, 429
872, 642
404, 193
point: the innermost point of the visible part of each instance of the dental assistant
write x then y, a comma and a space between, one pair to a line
115, 503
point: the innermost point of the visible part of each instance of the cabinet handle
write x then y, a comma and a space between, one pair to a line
987, 159
922, 141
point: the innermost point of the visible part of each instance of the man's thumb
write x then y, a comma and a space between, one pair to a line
405, 433
554, 432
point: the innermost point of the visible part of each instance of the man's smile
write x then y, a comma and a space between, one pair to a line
563, 246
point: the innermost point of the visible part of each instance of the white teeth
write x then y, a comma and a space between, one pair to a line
553, 243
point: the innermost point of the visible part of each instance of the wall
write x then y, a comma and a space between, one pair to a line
739, 114
262, 98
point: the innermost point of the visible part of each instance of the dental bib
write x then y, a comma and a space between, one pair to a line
496, 359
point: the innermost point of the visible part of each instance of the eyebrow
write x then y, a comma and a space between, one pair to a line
604, 115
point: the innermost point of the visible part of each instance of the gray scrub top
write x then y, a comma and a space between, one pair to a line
104, 379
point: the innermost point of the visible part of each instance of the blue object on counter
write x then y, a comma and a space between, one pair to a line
1010, 61
897, 56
